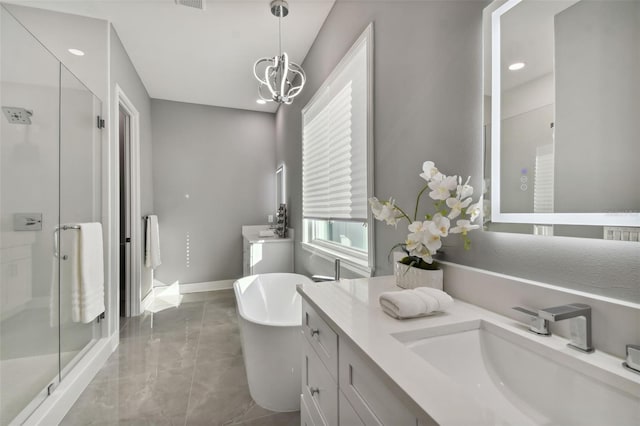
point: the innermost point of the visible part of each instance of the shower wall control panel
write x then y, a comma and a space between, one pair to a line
27, 221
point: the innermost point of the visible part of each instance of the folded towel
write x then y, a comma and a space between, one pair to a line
152, 243
87, 274
414, 303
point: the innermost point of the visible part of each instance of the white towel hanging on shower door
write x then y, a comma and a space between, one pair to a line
87, 285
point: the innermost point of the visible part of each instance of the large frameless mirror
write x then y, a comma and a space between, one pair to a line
281, 186
562, 101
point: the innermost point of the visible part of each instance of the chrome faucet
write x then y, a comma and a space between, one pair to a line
580, 327
537, 325
336, 273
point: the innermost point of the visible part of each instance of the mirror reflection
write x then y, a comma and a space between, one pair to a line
562, 109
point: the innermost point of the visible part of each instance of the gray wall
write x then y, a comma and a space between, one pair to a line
428, 105
214, 171
124, 75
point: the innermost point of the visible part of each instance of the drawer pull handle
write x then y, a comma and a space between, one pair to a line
314, 391
314, 331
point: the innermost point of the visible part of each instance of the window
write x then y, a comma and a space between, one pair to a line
336, 140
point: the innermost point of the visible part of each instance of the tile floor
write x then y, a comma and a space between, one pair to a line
181, 366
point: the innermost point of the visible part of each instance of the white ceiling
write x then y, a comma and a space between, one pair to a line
203, 57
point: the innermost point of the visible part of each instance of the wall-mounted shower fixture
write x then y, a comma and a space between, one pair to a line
17, 115
27, 221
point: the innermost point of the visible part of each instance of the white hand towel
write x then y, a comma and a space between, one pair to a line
87, 286
414, 303
152, 243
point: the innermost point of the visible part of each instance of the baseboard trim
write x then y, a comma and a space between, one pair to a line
56, 406
206, 286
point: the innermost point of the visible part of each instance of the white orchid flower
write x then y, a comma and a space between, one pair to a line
425, 233
376, 206
474, 210
441, 189
385, 211
463, 227
456, 205
439, 225
432, 242
464, 191
430, 172
417, 249
423, 254
418, 227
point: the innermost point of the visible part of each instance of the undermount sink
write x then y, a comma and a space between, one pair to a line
526, 381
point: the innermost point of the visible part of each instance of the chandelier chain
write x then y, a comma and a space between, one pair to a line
280, 32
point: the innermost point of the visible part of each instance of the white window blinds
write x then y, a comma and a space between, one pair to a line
334, 146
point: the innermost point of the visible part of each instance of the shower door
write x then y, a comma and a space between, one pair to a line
50, 174
29, 208
80, 202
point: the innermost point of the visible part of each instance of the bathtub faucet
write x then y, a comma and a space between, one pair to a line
336, 274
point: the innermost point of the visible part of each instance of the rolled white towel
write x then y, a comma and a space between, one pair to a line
414, 303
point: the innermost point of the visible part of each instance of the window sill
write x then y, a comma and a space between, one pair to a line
348, 261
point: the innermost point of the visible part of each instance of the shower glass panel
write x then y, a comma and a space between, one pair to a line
29, 211
80, 202
50, 176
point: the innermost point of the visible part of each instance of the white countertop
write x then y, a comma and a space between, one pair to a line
351, 307
252, 234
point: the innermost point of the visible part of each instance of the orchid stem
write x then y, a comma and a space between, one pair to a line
403, 213
415, 213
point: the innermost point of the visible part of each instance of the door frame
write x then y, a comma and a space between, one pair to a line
134, 299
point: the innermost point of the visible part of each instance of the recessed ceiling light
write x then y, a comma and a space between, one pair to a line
516, 66
76, 52
261, 101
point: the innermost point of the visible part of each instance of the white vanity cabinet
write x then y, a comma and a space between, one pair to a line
261, 255
339, 387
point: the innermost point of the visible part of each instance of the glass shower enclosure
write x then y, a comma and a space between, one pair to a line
50, 181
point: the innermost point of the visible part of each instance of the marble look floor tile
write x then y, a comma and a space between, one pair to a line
208, 296
227, 299
149, 354
222, 406
220, 374
185, 318
219, 342
278, 419
179, 366
219, 313
162, 396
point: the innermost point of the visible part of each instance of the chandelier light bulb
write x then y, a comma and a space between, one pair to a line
280, 80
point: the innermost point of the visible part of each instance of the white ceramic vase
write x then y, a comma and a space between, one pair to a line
410, 277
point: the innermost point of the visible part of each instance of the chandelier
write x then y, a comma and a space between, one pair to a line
283, 78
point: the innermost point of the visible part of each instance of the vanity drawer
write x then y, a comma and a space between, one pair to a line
305, 414
321, 337
346, 414
369, 396
319, 390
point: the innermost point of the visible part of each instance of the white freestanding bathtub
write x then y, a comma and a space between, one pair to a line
270, 317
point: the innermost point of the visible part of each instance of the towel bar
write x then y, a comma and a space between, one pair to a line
55, 236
